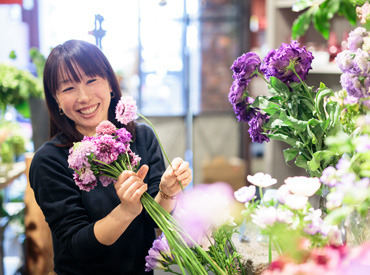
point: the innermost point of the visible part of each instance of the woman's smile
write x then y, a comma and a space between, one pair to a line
89, 110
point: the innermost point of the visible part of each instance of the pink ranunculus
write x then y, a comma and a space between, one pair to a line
262, 180
105, 128
126, 110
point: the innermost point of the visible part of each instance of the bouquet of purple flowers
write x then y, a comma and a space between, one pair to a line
104, 156
294, 112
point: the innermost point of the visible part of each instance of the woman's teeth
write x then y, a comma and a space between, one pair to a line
89, 111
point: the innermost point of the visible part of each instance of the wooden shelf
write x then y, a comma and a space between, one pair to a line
284, 3
330, 68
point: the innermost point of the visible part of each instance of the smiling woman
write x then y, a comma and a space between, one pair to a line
83, 85
103, 231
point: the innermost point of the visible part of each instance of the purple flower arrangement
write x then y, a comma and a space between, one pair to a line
354, 63
294, 112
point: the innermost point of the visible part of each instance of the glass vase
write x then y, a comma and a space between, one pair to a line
357, 228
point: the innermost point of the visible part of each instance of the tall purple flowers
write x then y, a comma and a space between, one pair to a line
355, 64
244, 69
290, 63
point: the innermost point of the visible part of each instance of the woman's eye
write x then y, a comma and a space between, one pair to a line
91, 80
67, 89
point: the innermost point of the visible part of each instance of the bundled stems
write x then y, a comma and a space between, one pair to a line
175, 234
160, 144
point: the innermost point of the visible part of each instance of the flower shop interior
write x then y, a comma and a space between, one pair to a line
285, 125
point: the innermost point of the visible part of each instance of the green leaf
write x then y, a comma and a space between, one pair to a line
322, 92
332, 7
280, 87
301, 24
311, 135
24, 109
301, 5
348, 10
301, 161
333, 109
338, 215
321, 23
317, 157
290, 154
266, 105
297, 125
285, 138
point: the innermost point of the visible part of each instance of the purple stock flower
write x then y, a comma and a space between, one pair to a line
158, 255
255, 127
243, 110
356, 38
281, 62
355, 86
245, 66
237, 90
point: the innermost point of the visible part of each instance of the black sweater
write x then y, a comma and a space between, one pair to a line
71, 213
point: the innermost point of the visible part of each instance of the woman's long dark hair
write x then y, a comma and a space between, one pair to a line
64, 60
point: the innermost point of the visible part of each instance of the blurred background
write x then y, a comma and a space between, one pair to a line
174, 58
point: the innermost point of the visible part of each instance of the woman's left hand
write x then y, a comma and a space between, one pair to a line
178, 172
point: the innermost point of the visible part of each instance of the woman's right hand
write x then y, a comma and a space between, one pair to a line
130, 187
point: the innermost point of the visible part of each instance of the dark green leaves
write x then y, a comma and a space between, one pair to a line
320, 14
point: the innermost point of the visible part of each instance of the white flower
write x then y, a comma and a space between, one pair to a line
282, 193
262, 180
296, 202
284, 216
265, 216
245, 194
303, 186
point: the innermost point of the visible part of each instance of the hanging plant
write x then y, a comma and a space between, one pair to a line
320, 12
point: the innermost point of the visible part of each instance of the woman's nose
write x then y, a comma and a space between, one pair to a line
83, 94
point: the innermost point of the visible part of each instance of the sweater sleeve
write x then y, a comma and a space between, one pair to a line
61, 202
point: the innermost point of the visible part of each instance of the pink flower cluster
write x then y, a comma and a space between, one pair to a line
91, 158
331, 260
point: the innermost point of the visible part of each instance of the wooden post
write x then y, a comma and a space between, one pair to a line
39, 248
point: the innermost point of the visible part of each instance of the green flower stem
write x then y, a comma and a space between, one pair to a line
261, 193
270, 250
177, 228
128, 160
263, 77
160, 144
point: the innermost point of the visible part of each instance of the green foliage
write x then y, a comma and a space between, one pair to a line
320, 12
303, 119
16, 86
12, 142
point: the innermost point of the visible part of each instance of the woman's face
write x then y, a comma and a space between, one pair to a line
85, 102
